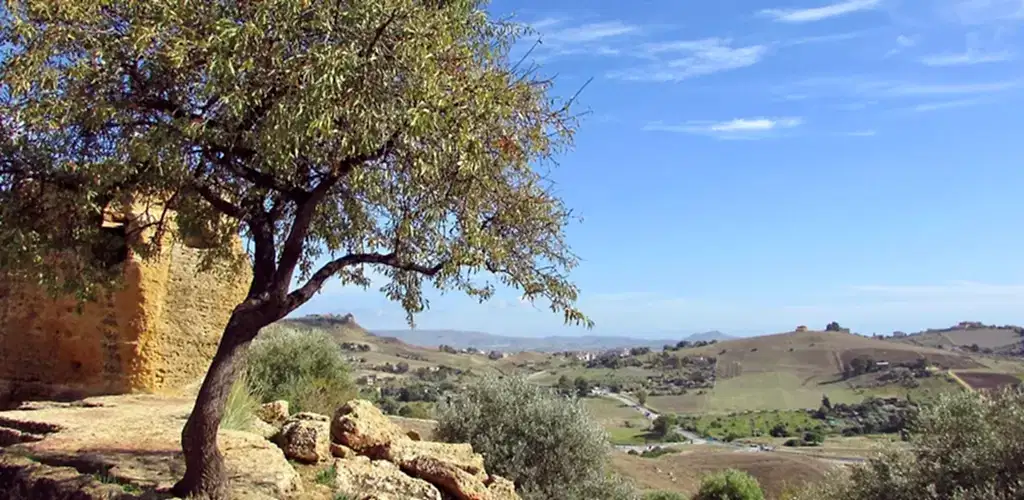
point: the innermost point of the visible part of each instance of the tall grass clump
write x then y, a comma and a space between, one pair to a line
305, 368
545, 443
240, 410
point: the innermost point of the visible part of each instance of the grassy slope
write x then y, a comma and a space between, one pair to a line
794, 370
993, 338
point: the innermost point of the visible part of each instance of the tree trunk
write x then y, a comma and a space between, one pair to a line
205, 477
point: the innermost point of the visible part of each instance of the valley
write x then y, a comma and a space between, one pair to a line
784, 407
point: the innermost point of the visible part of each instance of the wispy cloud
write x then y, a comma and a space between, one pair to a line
917, 89
739, 128
681, 60
821, 13
862, 133
834, 37
955, 289
966, 58
986, 11
936, 106
587, 33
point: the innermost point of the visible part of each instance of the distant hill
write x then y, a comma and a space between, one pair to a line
970, 335
460, 339
709, 336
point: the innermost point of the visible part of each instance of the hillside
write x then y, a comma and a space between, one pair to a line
794, 370
970, 336
460, 339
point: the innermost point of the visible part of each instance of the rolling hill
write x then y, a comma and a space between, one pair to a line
999, 339
460, 339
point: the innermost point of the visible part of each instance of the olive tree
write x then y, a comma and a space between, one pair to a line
333, 137
964, 446
546, 443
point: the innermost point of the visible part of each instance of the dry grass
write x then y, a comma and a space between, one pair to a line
985, 337
682, 472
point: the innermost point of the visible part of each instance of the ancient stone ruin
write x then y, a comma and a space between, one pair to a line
156, 334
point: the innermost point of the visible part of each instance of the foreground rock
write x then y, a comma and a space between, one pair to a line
85, 450
383, 462
306, 437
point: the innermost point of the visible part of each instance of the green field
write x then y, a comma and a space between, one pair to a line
623, 424
754, 424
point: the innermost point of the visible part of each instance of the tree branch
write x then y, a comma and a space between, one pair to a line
292, 249
316, 282
218, 203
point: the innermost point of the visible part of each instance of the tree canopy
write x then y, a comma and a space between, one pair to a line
389, 133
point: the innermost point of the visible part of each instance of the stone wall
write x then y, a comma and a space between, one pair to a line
156, 334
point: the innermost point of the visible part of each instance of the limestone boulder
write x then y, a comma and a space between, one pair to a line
367, 479
342, 451
364, 428
459, 455
501, 488
306, 437
274, 412
264, 430
448, 477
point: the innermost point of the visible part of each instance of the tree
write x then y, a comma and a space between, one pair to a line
965, 446
641, 396
549, 447
333, 137
833, 327
730, 484
565, 385
826, 404
662, 425
583, 387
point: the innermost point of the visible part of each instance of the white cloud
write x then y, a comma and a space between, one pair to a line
587, 33
912, 89
935, 106
821, 13
906, 41
966, 58
739, 128
986, 11
681, 60
962, 290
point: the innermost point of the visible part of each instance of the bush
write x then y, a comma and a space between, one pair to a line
730, 484
306, 369
417, 410
965, 446
543, 442
779, 430
664, 495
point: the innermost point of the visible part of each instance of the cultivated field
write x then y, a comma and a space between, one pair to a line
990, 338
683, 471
624, 425
979, 380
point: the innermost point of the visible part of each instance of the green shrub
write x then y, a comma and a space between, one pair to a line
545, 443
306, 369
729, 484
964, 446
417, 410
663, 495
240, 410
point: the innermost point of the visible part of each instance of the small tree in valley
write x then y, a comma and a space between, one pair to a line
333, 137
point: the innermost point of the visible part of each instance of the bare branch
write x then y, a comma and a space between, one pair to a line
315, 282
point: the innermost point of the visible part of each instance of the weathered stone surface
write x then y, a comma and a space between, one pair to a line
267, 431
379, 480
24, 479
157, 334
342, 451
361, 426
448, 477
306, 437
413, 435
274, 412
136, 439
501, 488
460, 455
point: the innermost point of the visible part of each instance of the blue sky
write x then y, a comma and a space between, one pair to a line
752, 165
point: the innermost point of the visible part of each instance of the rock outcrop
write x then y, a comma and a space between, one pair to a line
128, 445
375, 459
